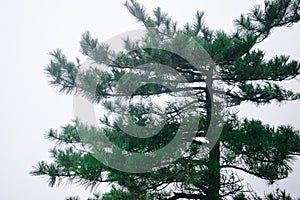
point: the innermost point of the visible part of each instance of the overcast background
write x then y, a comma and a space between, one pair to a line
29, 106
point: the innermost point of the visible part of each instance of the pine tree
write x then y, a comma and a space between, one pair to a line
245, 145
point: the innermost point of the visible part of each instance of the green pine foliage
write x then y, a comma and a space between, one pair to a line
245, 145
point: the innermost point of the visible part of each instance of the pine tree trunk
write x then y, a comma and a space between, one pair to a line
213, 180
214, 173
